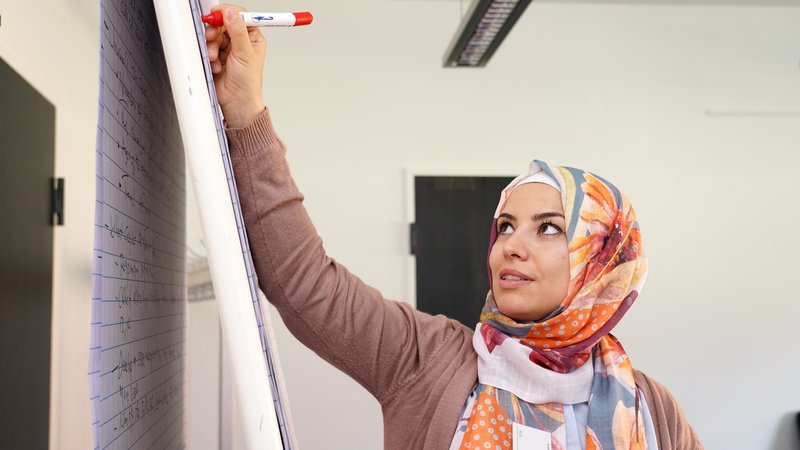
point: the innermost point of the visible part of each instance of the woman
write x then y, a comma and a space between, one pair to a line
565, 264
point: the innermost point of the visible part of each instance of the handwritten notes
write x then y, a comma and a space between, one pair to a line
137, 366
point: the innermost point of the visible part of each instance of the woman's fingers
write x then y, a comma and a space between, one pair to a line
233, 37
236, 53
222, 57
216, 67
213, 51
216, 46
212, 33
238, 33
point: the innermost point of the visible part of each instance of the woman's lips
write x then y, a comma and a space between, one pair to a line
510, 279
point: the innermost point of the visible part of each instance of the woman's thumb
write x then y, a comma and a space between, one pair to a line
237, 31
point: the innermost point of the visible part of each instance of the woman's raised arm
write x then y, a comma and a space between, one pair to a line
381, 344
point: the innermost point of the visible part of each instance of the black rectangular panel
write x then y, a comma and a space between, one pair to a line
27, 148
453, 220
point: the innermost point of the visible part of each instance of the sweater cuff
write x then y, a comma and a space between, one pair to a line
253, 138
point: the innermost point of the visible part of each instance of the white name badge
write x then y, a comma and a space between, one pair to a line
527, 438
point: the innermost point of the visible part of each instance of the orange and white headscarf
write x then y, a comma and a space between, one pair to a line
528, 371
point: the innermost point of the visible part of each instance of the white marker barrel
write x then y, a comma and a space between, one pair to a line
286, 19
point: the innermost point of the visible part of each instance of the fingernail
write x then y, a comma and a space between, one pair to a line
231, 14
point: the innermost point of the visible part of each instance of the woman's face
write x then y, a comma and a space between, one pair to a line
530, 258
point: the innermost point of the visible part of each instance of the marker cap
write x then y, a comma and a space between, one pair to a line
214, 18
302, 18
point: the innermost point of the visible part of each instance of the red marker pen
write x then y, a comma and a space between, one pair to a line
253, 19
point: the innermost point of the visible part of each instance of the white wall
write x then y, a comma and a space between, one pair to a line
60, 59
620, 89
204, 395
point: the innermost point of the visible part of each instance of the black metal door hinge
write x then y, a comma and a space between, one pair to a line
412, 238
57, 205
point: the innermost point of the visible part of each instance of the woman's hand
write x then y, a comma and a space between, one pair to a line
237, 54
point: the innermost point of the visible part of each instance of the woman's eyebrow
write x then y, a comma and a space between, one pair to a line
546, 215
536, 217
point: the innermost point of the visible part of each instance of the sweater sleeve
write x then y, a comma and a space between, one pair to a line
672, 428
381, 344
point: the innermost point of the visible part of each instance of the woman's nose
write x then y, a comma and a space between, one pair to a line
515, 247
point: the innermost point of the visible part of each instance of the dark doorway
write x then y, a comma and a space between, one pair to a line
451, 236
27, 127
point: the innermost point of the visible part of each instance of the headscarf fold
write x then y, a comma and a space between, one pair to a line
607, 271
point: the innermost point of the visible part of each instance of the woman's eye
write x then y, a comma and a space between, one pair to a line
549, 228
504, 228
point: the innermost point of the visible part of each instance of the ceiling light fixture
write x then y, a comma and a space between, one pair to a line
482, 30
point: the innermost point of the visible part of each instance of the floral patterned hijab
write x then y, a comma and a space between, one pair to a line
528, 371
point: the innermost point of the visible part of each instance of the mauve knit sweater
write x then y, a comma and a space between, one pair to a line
421, 368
